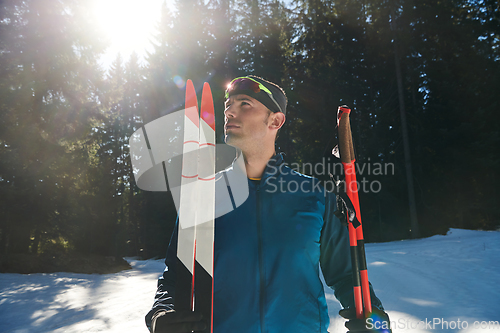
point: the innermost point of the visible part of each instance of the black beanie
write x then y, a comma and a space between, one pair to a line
263, 97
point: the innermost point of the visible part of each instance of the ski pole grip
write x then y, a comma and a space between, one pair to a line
345, 137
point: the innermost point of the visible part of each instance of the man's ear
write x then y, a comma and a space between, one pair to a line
278, 119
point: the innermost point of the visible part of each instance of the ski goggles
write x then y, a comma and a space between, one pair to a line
247, 83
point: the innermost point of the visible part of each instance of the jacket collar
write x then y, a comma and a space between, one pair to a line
273, 167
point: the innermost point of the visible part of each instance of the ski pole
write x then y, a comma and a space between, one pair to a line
362, 298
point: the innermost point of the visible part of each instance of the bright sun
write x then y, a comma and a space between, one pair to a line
129, 24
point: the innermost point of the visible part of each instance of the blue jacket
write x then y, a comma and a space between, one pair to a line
268, 252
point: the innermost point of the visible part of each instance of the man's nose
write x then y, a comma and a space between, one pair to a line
229, 111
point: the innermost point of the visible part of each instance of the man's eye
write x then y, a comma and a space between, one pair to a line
244, 103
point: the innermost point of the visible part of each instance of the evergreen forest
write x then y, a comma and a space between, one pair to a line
422, 78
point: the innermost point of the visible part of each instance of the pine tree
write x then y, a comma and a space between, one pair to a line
50, 95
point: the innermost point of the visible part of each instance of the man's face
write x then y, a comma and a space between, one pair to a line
246, 122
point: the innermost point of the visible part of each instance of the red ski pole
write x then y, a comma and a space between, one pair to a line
362, 298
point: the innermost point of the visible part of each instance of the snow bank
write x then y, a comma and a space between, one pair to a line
437, 284
68, 302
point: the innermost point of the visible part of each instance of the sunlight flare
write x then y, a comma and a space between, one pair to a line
129, 24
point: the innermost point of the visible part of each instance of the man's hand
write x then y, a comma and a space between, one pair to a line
177, 322
378, 321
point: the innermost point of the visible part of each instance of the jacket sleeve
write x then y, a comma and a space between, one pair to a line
164, 297
335, 258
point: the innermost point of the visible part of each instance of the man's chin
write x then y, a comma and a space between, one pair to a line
230, 140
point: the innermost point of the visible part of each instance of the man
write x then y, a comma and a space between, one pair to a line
269, 249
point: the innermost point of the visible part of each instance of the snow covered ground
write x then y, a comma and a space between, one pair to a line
442, 283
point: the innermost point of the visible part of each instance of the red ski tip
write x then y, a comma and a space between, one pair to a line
207, 106
191, 103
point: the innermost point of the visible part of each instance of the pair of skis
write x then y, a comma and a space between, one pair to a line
195, 249
362, 298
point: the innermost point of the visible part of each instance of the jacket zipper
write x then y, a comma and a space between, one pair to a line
262, 291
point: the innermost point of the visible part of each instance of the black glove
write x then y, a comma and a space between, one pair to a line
378, 321
177, 322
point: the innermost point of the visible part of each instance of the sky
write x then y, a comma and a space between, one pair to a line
129, 24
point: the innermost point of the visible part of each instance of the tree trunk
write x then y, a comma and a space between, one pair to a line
3, 239
36, 241
415, 232
19, 241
